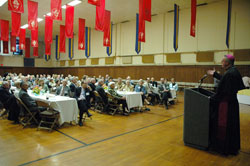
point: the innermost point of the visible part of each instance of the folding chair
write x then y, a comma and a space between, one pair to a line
113, 103
28, 115
99, 104
48, 118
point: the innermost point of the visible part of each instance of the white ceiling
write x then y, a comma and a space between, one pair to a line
121, 10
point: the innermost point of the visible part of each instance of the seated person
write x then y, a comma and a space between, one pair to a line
128, 87
121, 100
9, 102
82, 96
119, 85
153, 82
163, 89
63, 90
155, 98
173, 85
18, 88
73, 86
140, 88
92, 88
103, 95
43, 87
27, 100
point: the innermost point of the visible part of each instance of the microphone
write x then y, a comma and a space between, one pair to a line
205, 76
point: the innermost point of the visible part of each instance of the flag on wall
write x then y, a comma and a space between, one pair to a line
57, 47
4, 30
5, 47
56, 9
48, 30
71, 48
27, 48
176, 26
35, 51
141, 21
228, 22
94, 2
62, 38
147, 10
109, 49
100, 15
47, 57
193, 17
34, 38
22, 36
15, 23
87, 41
81, 34
47, 49
69, 21
13, 44
15, 6
106, 30
137, 42
32, 15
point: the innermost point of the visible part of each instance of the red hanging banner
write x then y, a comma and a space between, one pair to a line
35, 51
22, 35
48, 29
47, 49
147, 10
56, 9
193, 18
106, 34
15, 23
69, 21
141, 21
94, 2
32, 15
100, 14
34, 38
81, 34
4, 30
62, 39
15, 6
13, 43
5, 47
27, 48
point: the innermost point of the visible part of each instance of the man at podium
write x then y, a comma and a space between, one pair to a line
225, 125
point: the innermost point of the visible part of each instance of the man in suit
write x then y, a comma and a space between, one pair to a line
63, 90
163, 89
121, 99
103, 95
9, 102
82, 96
73, 86
153, 82
92, 89
27, 100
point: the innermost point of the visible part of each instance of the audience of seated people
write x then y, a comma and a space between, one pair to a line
83, 90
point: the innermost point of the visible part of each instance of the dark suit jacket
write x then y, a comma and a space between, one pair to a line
72, 87
27, 100
102, 93
87, 95
154, 83
6, 97
93, 87
66, 91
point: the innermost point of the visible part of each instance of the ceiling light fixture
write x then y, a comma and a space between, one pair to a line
2, 2
24, 26
74, 3
39, 19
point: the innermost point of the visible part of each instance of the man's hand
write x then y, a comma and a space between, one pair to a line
211, 72
123, 98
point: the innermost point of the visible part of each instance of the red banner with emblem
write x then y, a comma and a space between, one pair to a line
27, 48
4, 30
35, 51
32, 15
94, 2
147, 10
5, 47
13, 44
47, 49
22, 36
106, 34
48, 29
15, 6
15, 23
69, 21
62, 39
193, 17
56, 9
34, 38
100, 15
81, 34
141, 33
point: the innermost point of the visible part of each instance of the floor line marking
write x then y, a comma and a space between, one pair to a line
71, 137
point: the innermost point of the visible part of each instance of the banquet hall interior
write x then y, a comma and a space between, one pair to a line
119, 82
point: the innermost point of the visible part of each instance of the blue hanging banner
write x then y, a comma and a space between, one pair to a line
228, 22
109, 49
176, 26
137, 42
87, 41
71, 48
47, 57
57, 47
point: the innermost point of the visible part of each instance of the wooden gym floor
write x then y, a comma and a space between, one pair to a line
141, 139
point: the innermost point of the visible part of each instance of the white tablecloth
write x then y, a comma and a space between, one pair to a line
134, 99
66, 106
